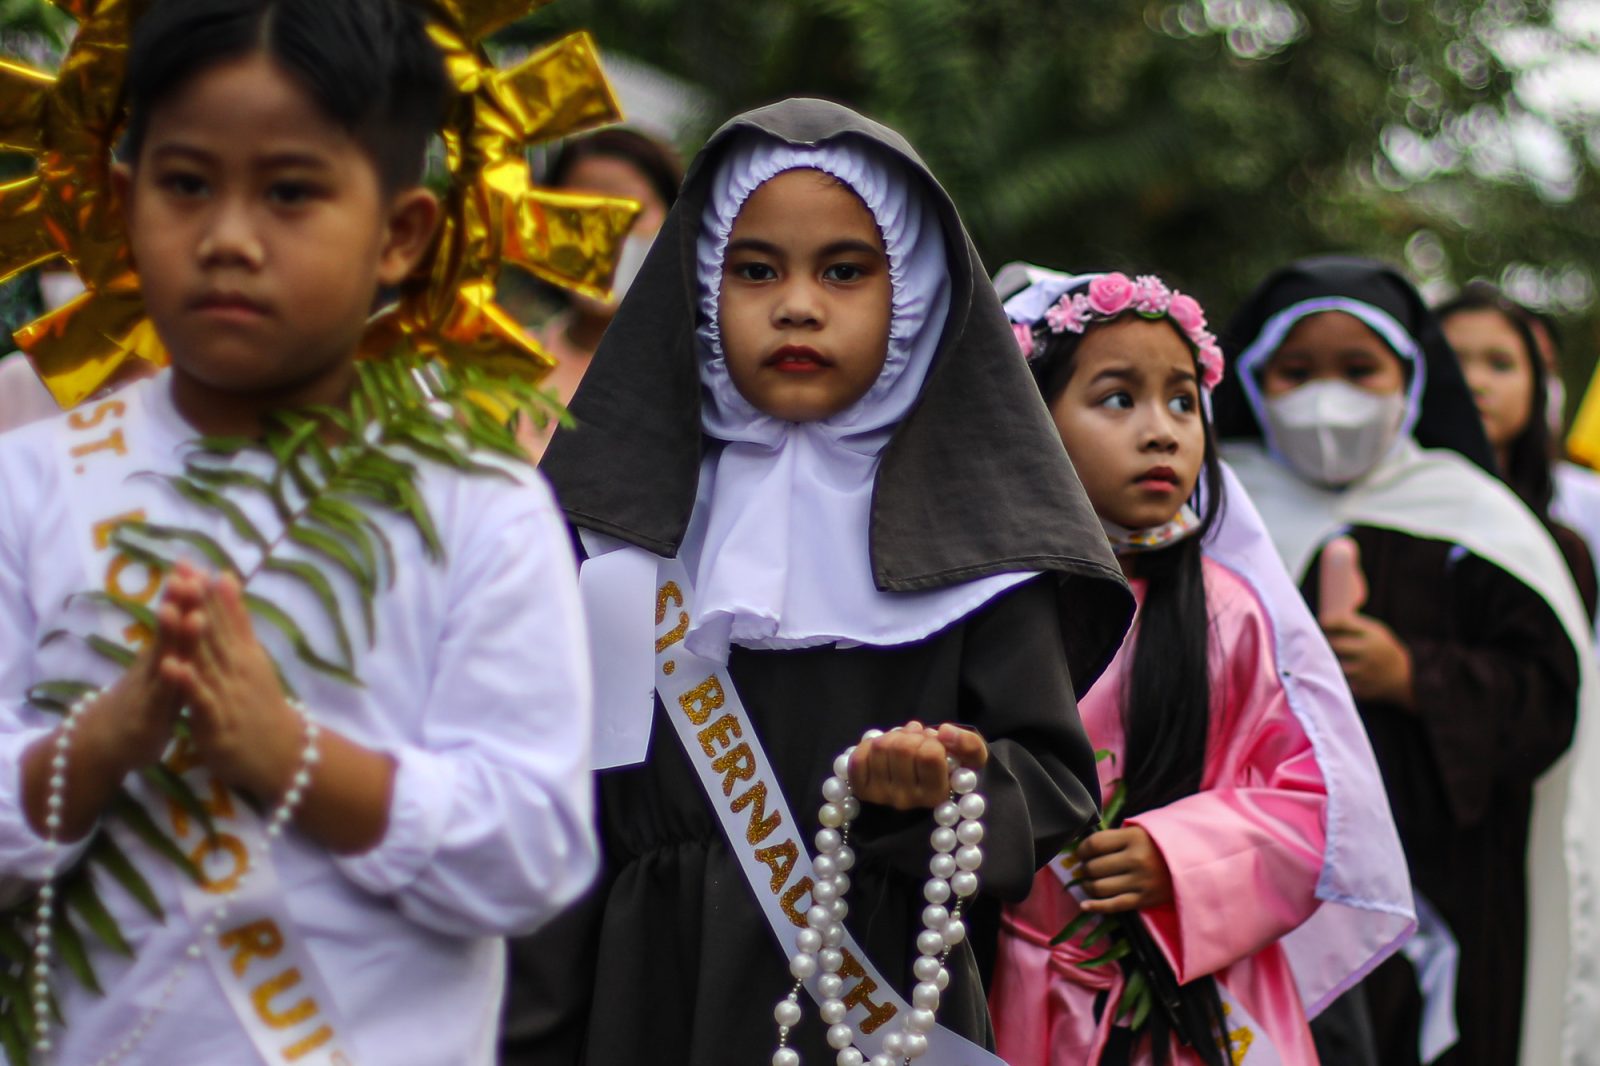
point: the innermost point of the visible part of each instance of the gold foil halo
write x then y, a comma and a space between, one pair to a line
70, 122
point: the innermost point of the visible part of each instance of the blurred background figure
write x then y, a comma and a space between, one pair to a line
1494, 338
615, 162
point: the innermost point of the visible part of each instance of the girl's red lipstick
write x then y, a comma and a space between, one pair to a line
1160, 478
798, 359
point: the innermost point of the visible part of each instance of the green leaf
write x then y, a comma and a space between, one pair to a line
109, 854
58, 697
279, 619
214, 553
1098, 933
1117, 952
19, 998
337, 552
1072, 928
322, 589
349, 521
1133, 991
82, 897
11, 1039
220, 477
132, 812
1141, 1011
110, 650
1113, 812
164, 780
202, 496
68, 943
138, 613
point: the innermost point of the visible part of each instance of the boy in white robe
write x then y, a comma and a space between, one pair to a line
274, 154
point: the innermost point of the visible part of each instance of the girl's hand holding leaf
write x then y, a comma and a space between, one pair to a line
1123, 870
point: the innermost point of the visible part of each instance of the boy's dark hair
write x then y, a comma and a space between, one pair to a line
1531, 455
1166, 711
368, 64
650, 157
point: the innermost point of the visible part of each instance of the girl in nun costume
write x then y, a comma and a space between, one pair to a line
1345, 411
879, 547
1255, 861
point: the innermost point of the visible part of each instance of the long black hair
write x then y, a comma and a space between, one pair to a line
1166, 710
1527, 467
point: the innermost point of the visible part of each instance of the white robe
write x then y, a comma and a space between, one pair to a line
478, 687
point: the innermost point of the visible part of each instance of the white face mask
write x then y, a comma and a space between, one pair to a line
1333, 432
629, 260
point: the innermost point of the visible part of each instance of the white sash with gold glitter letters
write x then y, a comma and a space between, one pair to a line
1251, 1046
256, 955
721, 741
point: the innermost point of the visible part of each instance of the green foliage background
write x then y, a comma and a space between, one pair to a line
1184, 136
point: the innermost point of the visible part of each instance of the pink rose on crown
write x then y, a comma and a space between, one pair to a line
1111, 294
1187, 313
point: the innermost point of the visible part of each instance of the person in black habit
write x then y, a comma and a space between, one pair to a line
812, 397
1345, 411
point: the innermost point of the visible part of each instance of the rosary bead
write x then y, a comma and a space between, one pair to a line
935, 916
970, 834
840, 1036
916, 1046
972, 807
969, 858
808, 941
936, 890
894, 1045
942, 866
851, 807
954, 933
832, 1011
803, 966
964, 883
830, 815
824, 891
824, 867
818, 916
925, 995
943, 839
930, 942
830, 985
850, 1057
786, 1056
835, 789
830, 959
963, 781
841, 765
920, 1020
947, 813
787, 1013
828, 841
883, 1060
846, 858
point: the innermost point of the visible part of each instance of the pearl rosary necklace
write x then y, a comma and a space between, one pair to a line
280, 818
954, 871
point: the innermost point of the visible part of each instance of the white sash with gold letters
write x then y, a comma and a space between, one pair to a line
257, 955
721, 741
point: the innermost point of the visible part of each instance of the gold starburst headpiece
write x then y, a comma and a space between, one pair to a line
494, 214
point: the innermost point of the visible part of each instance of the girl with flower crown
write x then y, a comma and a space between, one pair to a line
1215, 909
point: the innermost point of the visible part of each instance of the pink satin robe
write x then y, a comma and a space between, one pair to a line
1245, 853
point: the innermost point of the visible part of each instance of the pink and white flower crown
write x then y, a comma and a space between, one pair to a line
1110, 295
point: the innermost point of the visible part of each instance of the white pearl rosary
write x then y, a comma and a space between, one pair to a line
280, 818
954, 867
